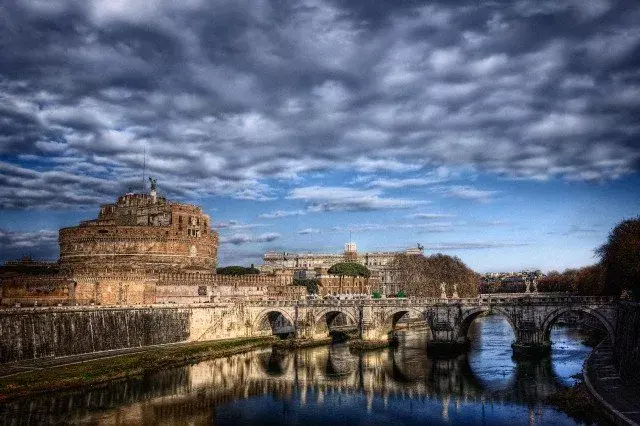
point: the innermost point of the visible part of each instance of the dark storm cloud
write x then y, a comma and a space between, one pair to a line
42, 244
224, 95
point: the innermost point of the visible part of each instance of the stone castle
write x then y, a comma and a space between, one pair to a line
142, 249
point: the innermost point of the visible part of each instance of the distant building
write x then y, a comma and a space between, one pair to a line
379, 263
336, 285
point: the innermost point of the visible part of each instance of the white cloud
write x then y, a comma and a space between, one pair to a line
241, 238
282, 213
235, 225
308, 231
468, 193
328, 198
430, 216
472, 245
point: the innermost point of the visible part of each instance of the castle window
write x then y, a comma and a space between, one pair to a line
180, 219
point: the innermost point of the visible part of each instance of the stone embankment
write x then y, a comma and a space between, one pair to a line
612, 371
620, 402
626, 348
42, 333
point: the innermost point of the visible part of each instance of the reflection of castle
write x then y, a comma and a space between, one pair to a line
191, 394
306, 264
142, 249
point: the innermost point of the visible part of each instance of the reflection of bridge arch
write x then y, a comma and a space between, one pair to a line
279, 321
550, 320
469, 316
275, 363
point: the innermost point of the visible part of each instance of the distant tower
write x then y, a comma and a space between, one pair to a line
350, 251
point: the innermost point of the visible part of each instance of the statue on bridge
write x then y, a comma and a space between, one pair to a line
528, 284
455, 292
443, 290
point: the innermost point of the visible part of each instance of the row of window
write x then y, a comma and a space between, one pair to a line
193, 221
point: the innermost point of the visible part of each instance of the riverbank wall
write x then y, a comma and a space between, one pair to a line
33, 333
626, 347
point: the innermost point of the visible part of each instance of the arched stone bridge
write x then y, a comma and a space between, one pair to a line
531, 316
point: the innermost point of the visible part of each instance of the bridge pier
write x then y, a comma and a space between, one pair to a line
530, 342
446, 341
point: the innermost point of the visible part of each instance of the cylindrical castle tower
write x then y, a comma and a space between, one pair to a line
141, 232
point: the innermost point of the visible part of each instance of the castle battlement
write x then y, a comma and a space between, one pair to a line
254, 280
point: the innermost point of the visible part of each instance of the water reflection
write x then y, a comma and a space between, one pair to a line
332, 385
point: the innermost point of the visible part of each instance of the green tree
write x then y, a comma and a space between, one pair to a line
620, 259
351, 269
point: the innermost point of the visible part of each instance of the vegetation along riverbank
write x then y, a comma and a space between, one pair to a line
100, 371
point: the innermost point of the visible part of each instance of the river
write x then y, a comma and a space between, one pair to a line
330, 385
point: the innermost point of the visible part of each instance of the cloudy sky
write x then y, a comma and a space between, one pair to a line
502, 132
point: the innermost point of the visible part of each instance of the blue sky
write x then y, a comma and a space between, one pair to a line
502, 132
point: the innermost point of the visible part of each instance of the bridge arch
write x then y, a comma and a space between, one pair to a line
551, 318
278, 321
392, 317
326, 319
469, 316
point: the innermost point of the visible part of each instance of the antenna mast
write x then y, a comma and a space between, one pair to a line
144, 167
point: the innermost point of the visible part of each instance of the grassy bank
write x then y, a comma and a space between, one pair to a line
91, 373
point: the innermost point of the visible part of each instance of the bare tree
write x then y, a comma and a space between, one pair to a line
421, 276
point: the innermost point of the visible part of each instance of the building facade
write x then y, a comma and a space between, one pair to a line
379, 263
